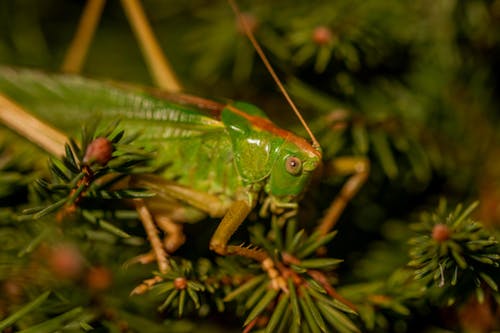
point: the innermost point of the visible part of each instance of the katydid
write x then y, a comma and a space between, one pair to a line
223, 159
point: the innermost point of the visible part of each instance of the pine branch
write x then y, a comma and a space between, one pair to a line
382, 303
89, 175
456, 253
309, 300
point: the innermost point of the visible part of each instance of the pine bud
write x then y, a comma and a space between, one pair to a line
441, 232
99, 278
98, 151
180, 283
65, 262
322, 35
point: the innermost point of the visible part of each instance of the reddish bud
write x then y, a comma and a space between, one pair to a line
441, 232
180, 283
322, 35
98, 151
65, 262
99, 278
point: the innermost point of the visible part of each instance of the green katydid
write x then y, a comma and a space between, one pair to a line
224, 159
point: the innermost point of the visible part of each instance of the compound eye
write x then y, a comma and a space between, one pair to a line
293, 165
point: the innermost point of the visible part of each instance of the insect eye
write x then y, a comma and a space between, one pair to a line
293, 165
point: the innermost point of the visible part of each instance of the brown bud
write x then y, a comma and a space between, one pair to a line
98, 151
322, 35
441, 232
65, 262
180, 283
99, 278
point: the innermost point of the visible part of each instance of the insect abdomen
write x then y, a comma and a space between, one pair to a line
195, 146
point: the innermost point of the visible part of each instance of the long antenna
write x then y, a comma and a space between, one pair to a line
266, 62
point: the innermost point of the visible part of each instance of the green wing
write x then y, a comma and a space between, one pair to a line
65, 101
194, 145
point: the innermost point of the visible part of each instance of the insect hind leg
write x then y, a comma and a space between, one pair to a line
158, 65
77, 52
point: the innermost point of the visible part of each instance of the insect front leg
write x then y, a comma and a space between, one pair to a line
359, 169
232, 214
236, 214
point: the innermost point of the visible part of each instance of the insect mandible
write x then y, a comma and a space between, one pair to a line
224, 159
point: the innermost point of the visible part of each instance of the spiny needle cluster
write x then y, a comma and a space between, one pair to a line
453, 250
91, 173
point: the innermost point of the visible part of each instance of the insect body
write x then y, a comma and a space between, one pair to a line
227, 150
222, 159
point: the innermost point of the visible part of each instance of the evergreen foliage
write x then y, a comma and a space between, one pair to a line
410, 86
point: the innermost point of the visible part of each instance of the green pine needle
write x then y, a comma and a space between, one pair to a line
73, 182
307, 288
33, 305
278, 313
58, 323
452, 248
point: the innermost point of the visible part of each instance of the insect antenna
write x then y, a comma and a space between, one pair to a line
270, 69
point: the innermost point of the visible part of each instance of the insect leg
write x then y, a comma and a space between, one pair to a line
158, 250
359, 168
158, 64
38, 132
207, 203
174, 237
236, 214
233, 217
75, 56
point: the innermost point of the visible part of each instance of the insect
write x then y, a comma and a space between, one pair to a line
223, 160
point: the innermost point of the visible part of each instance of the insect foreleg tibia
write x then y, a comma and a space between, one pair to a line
236, 214
358, 168
233, 217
